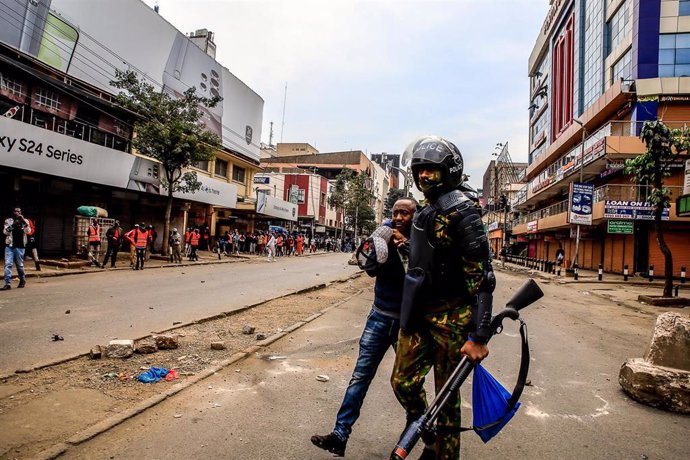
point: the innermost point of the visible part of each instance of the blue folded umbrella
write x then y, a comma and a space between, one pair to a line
489, 404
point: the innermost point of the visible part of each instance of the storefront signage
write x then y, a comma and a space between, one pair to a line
683, 206
28, 147
620, 227
580, 203
492, 226
686, 180
262, 180
532, 226
271, 206
633, 210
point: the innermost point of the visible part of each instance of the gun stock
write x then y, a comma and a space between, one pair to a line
528, 293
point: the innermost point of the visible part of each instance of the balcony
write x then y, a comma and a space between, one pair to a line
555, 216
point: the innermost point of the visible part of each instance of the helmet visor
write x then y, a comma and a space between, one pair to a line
429, 148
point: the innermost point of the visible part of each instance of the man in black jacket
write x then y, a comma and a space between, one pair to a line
114, 237
381, 329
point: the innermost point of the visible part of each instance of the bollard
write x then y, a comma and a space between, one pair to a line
676, 289
543, 265
553, 267
682, 275
559, 271
575, 272
625, 272
601, 272
651, 273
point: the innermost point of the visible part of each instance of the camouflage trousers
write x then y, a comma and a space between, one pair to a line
436, 341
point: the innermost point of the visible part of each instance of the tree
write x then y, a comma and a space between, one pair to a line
394, 195
171, 132
650, 168
351, 194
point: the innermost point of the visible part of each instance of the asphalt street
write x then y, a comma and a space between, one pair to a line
267, 407
130, 304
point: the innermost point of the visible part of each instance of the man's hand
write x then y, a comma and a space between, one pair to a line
398, 238
474, 351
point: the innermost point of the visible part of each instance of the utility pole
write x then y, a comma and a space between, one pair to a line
576, 261
282, 124
270, 135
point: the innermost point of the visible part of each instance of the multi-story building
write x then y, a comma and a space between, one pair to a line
67, 143
598, 70
389, 163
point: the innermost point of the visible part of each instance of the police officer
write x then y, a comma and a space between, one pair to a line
113, 236
446, 306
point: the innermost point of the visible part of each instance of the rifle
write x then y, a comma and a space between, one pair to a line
528, 293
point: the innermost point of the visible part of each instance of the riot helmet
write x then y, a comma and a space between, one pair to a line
436, 153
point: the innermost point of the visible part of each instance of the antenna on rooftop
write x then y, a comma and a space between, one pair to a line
282, 124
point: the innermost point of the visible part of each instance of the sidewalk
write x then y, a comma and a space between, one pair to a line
612, 287
156, 261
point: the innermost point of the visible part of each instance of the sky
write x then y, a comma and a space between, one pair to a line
373, 75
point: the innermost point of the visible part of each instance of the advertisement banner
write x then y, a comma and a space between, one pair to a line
620, 227
262, 180
271, 206
580, 203
27, 147
532, 227
90, 39
634, 210
686, 180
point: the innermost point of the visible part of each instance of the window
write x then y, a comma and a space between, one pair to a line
622, 69
674, 55
300, 195
591, 59
562, 105
684, 8
221, 168
238, 174
617, 28
201, 164
322, 201
48, 99
11, 86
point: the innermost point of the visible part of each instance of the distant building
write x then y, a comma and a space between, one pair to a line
204, 40
285, 149
391, 162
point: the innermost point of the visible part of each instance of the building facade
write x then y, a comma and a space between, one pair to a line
67, 143
598, 70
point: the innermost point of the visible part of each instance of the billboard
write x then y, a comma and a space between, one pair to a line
89, 39
580, 203
23, 146
635, 210
271, 206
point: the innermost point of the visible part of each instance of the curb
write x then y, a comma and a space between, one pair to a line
26, 370
111, 422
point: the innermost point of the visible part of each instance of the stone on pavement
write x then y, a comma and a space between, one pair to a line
166, 341
122, 348
96, 352
217, 345
145, 347
249, 330
657, 386
260, 336
670, 345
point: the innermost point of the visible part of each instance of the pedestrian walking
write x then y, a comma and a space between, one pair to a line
32, 244
152, 236
382, 325
445, 313
113, 237
271, 248
187, 241
94, 235
16, 229
300, 244
176, 246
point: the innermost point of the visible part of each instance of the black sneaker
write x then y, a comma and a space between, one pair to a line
6, 287
21, 284
331, 442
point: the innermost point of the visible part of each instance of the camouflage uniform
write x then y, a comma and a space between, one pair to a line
439, 334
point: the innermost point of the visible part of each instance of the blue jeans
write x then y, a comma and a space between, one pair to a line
380, 333
14, 255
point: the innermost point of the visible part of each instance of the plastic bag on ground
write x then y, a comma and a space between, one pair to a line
153, 375
489, 403
172, 375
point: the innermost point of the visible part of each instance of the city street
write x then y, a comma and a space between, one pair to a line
129, 304
270, 404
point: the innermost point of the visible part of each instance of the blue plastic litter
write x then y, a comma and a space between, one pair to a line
153, 375
489, 403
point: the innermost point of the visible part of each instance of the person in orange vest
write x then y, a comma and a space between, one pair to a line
113, 236
141, 241
94, 234
300, 243
194, 238
187, 241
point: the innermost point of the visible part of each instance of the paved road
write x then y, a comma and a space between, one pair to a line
266, 408
130, 304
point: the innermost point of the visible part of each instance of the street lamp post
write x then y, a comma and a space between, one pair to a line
582, 163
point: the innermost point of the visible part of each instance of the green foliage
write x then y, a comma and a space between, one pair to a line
394, 195
352, 194
171, 130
